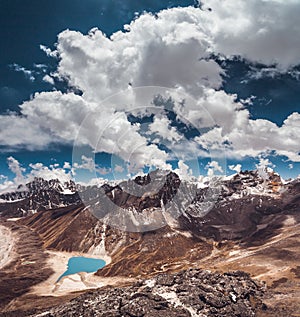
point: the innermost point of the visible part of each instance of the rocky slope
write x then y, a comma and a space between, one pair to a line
191, 293
27, 267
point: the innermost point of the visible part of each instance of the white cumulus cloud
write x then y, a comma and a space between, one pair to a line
16, 168
213, 167
237, 168
264, 31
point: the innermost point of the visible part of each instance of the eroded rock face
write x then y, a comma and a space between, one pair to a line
190, 293
144, 192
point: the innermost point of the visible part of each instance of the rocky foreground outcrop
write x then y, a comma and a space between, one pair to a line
189, 293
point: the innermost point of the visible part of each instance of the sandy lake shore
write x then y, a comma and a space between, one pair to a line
58, 262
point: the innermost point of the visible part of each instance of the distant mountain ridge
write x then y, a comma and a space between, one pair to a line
149, 191
37, 195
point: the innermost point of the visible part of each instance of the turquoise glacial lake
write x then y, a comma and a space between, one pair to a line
78, 264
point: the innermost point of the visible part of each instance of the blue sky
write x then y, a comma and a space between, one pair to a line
188, 56
25, 25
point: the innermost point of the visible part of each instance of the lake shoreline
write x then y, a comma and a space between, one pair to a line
58, 261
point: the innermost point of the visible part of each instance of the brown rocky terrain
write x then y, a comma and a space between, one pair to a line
251, 225
133, 254
27, 266
185, 294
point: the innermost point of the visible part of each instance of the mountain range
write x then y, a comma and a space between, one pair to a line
151, 228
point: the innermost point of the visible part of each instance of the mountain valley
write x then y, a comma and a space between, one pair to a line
154, 225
